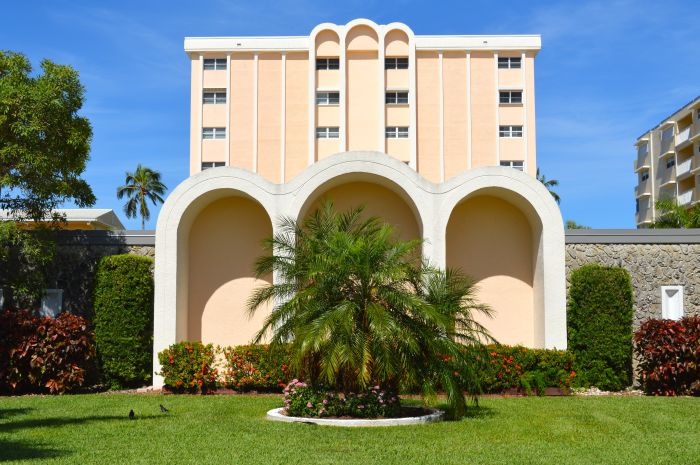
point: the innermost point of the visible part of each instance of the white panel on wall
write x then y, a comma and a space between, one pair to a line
51, 303
672, 302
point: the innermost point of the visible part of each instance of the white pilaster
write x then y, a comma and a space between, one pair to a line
413, 129
342, 107
469, 110
526, 123
255, 113
442, 118
228, 109
283, 119
312, 102
498, 117
381, 141
200, 96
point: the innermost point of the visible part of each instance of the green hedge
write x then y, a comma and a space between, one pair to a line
599, 321
124, 319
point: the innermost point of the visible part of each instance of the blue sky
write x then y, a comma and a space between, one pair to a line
608, 71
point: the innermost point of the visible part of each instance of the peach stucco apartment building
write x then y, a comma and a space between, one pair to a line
435, 134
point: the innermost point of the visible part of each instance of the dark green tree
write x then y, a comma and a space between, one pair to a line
140, 186
359, 308
44, 142
44, 147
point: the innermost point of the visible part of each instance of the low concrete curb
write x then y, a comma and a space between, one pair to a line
433, 416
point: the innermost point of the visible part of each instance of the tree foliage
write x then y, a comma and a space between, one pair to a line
141, 185
672, 215
44, 142
550, 184
359, 308
571, 224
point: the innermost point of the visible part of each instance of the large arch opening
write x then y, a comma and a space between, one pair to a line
222, 240
493, 235
379, 196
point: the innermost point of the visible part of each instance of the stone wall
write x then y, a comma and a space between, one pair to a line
650, 266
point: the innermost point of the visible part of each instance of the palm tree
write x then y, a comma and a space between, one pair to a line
141, 185
672, 215
359, 308
549, 184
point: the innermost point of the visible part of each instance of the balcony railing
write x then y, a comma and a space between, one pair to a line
643, 189
642, 161
684, 198
684, 167
668, 177
682, 136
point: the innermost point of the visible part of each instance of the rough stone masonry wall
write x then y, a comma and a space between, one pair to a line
650, 266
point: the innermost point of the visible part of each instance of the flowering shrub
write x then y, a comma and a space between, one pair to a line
256, 367
669, 356
188, 366
42, 354
301, 400
530, 369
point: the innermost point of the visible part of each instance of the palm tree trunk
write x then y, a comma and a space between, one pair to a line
143, 224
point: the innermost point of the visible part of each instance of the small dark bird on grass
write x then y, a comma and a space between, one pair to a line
163, 409
131, 415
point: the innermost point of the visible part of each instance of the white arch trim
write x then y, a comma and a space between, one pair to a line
432, 204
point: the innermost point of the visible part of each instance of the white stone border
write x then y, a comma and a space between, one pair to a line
434, 416
431, 203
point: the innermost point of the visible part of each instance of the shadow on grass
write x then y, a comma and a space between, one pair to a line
25, 450
6, 413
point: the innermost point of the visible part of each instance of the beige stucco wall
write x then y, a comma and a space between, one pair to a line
454, 74
195, 111
241, 107
269, 115
428, 115
531, 126
483, 94
379, 201
362, 97
224, 242
491, 240
297, 114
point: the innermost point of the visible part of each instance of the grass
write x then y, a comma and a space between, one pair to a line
232, 429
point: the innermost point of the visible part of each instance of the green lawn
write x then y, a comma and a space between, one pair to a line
232, 429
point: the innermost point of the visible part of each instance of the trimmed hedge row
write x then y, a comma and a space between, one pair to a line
669, 356
599, 321
124, 319
258, 368
41, 355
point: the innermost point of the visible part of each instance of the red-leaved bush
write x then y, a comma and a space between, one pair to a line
669, 356
42, 354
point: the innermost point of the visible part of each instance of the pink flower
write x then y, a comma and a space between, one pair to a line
309, 404
325, 401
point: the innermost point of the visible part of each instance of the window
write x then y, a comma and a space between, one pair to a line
517, 164
215, 64
510, 131
667, 133
636, 204
327, 63
214, 133
645, 176
212, 164
214, 96
396, 97
509, 62
396, 63
672, 302
643, 149
327, 98
396, 132
327, 132
670, 163
510, 96
51, 303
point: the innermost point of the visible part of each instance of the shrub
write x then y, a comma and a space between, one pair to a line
668, 353
188, 366
301, 400
124, 319
519, 367
257, 367
39, 355
600, 326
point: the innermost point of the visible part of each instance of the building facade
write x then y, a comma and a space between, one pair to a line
668, 163
434, 134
